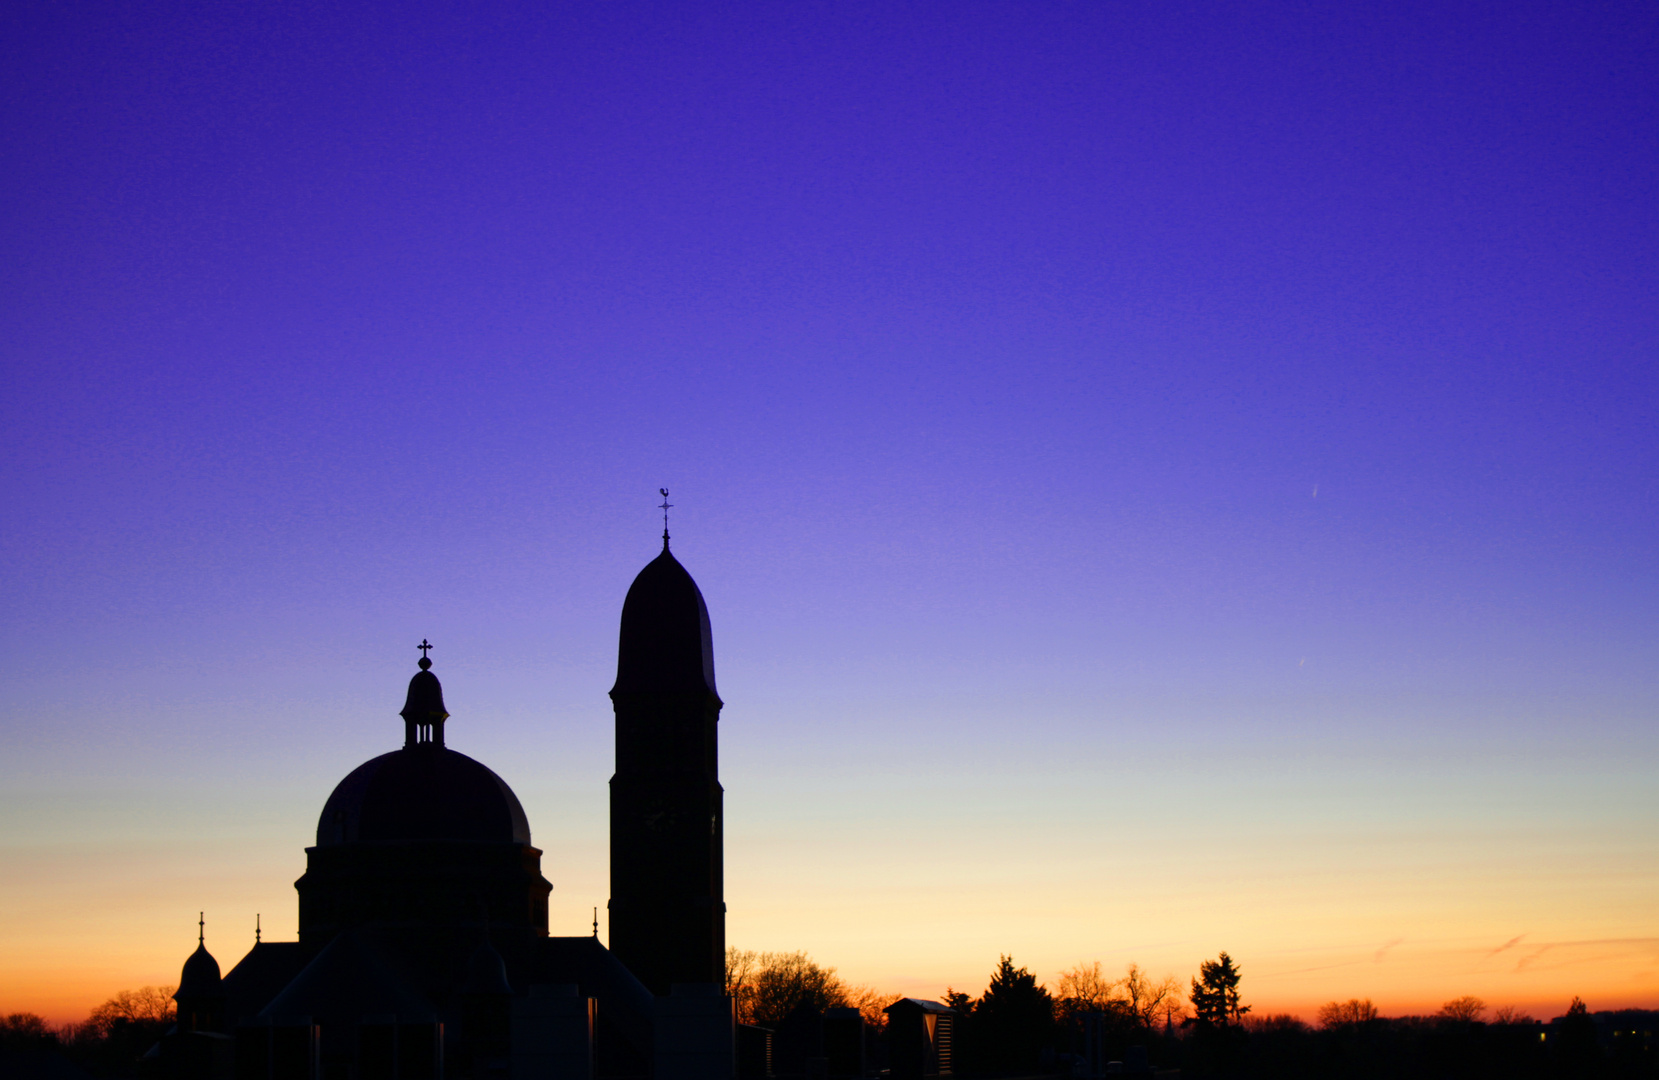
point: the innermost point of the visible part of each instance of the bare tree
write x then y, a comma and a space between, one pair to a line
1147, 999
148, 1004
26, 1031
1464, 1009
1509, 1014
1335, 1014
1085, 988
768, 986
871, 1003
740, 975
1276, 1022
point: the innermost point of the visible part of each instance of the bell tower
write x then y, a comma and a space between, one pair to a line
667, 907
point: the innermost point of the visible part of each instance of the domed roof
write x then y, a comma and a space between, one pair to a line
200, 977
666, 646
422, 792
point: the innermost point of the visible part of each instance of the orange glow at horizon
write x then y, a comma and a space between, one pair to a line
65, 950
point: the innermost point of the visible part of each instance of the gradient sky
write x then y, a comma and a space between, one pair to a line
1165, 478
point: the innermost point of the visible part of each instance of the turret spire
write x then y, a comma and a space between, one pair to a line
201, 928
666, 506
423, 710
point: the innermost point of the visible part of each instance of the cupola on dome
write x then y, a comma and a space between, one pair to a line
424, 791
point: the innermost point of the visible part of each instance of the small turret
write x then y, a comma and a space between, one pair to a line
423, 710
200, 996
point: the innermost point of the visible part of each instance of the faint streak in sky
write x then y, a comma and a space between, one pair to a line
1580, 952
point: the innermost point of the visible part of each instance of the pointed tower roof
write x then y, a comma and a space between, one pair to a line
666, 645
200, 977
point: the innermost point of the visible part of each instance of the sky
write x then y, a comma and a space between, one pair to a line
1165, 478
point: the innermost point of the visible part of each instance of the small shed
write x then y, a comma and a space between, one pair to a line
920, 1038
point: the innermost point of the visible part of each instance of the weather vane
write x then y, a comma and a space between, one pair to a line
665, 507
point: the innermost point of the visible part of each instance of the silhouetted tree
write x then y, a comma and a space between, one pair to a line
1084, 988
1215, 996
1335, 1014
767, 986
146, 1005
1577, 1050
120, 1029
25, 1031
1013, 1021
1148, 1000
1276, 1022
1463, 1010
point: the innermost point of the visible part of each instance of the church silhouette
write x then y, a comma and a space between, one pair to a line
423, 948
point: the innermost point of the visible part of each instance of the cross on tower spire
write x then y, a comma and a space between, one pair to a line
201, 928
665, 508
423, 646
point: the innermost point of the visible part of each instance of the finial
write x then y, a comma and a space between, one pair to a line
256, 928
665, 507
423, 646
201, 928
596, 922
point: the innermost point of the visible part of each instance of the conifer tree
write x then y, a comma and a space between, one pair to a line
1215, 996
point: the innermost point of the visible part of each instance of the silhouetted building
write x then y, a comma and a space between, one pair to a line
920, 1038
667, 907
423, 946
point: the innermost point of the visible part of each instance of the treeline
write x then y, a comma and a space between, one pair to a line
766, 987
1017, 1027
107, 1042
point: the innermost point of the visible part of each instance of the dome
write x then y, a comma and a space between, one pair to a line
422, 792
666, 645
200, 977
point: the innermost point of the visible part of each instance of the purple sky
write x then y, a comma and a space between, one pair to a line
1055, 396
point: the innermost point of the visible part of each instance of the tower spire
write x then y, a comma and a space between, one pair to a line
256, 928
666, 506
201, 928
668, 910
